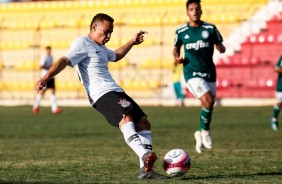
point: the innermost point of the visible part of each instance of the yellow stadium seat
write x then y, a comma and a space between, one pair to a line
65, 85
27, 65
152, 63
119, 64
168, 63
1, 86
27, 85
154, 84
127, 84
141, 84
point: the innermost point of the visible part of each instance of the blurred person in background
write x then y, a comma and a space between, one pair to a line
199, 38
89, 55
45, 64
278, 93
176, 80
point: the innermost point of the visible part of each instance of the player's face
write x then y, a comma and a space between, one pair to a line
48, 51
103, 31
194, 12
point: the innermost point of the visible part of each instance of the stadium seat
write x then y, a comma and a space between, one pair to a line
262, 83
223, 84
1, 66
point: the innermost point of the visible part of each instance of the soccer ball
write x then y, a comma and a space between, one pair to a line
176, 162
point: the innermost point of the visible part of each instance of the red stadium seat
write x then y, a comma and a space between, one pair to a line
223, 84
262, 84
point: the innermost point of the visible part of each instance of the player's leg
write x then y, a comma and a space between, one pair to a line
131, 137
36, 104
121, 111
116, 107
53, 98
143, 128
205, 92
207, 102
276, 111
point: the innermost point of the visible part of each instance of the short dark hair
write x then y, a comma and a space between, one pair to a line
48, 47
192, 1
100, 17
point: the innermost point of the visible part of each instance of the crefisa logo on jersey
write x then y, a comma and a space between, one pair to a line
205, 34
197, 45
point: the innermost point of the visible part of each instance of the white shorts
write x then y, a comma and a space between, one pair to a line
198, 87
278, 96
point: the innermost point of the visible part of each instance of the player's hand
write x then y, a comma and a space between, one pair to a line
40, 85
179, 60
220, 47
139, 37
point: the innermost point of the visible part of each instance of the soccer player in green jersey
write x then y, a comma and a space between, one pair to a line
278, 94
199, 38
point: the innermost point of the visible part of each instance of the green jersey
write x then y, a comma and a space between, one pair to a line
279, 80
198, 45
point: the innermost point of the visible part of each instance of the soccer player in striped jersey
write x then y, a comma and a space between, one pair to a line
89, 55
276, 109
198, 39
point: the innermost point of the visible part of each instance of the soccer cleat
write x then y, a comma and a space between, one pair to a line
199, 144
150, 175
57, 111
206, 139
35, 110
274, 124
147, 171
149, 159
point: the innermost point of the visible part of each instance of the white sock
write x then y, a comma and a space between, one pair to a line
146, 139
37, 100
53, 100
132, 139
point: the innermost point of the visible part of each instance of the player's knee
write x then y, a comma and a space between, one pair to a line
207, 105
143, 124
207, 101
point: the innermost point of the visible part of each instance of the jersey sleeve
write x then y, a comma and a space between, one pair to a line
77, 52
217, 38
111, 55
177, 41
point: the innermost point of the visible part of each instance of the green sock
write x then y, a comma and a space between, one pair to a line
205, 119
276, 111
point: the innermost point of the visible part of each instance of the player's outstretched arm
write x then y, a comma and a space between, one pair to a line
136, 40
54, 70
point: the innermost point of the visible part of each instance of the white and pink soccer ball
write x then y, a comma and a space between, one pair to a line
176, 162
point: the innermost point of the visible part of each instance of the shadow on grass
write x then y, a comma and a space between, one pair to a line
232, 176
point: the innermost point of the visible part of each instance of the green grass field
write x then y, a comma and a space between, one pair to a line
79, 146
